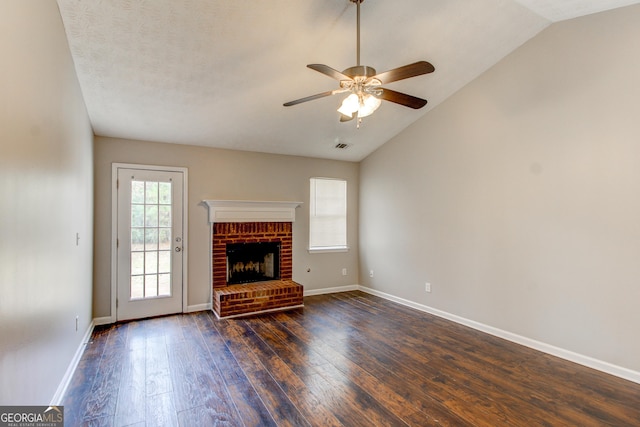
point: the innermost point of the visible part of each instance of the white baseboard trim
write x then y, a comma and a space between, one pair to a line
334, 290
571, 356
198, 307
71, 369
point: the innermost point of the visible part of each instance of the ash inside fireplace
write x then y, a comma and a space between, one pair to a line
253, 262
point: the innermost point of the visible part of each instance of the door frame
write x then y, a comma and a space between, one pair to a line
114, 228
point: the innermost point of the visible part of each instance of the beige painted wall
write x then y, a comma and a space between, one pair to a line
46, 188
226, 175
518, 199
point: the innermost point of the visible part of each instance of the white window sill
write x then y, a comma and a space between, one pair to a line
328, 249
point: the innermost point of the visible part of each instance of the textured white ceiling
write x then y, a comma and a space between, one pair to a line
216, 72
555, 10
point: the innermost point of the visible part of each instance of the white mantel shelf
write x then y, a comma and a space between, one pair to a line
251, 211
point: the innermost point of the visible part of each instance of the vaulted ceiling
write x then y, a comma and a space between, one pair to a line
216, 72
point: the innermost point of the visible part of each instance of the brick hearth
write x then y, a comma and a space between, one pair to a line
237, 300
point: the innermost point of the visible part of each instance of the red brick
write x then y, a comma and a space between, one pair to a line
263, 293
245, 299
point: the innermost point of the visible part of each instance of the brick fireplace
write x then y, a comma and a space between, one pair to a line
236, 224
228, 233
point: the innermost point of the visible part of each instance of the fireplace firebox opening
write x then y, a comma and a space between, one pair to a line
252, 262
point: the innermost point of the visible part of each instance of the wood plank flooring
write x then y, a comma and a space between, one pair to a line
347, 359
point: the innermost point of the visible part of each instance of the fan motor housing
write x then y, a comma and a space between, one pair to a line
360, 70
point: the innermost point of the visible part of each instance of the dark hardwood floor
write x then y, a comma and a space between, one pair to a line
347, 359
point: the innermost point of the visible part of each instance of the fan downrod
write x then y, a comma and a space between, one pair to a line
358, 3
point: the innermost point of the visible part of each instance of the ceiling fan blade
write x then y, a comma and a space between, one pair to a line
400, 73
402, 99
310, 98
328, 71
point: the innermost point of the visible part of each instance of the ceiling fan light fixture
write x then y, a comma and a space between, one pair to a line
363, 104
349, 105
369, 104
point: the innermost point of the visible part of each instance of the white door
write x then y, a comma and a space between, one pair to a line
150, 242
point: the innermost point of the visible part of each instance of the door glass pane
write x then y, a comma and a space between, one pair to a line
164, 261
164, 239
164, 216
151, 215
137, 239
164, 193
150, 285
151, 193
137, 192
150, 239
164, 284
137, 215
151, 262
137, 263
137, 287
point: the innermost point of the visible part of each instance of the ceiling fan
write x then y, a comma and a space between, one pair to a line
364, 85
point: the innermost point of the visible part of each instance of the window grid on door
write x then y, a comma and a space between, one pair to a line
150, 239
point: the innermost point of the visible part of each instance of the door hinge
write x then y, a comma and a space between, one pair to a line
116, 302
117, 243
117, 184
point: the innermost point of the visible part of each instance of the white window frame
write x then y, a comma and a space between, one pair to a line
337, 247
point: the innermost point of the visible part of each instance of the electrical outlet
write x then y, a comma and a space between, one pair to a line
370, 273
427, 287
344, 271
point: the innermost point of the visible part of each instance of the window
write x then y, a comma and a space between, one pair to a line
328, 215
